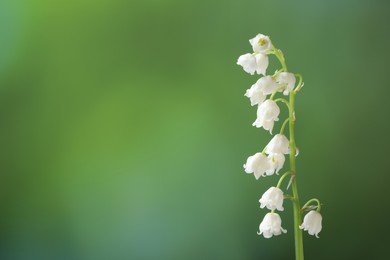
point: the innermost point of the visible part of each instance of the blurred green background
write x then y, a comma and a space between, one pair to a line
124, 128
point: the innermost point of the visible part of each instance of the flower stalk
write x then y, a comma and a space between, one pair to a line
296, 204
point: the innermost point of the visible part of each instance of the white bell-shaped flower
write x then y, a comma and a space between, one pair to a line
271, 225
278, 144
272, 199
261, 63
286, 79
259, 91
248, 63
255, 94
267, 84
267, 114
257, 164
252, 63
312, 222
260, 43
276, 162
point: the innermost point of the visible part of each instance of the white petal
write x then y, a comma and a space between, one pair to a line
267, 113
312, 222
255, 94
257, 164
248, 63
276, 161
278, 144
288, 79
267, 85
268, 125
272, 199
261, 63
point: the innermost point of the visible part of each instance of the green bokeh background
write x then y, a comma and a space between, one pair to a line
124, 128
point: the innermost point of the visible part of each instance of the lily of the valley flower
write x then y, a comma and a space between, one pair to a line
259, 91
257, 164
267, 114
248, 63
312, 223
279, 144
271, 225
252, 63
255, 94
260, 43
276, 162
288, 79
272, 199
267, 84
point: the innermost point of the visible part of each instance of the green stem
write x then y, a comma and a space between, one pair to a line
263, 152
282, 178
300, 84
280, 56
284, 125
296, 205
284, 101
279, 89
310, 201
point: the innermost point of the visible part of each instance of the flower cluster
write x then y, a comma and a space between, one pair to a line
262, 165
271, 160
